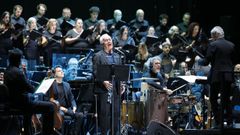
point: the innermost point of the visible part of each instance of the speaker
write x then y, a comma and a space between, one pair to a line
157, 128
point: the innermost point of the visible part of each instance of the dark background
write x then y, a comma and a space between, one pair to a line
208, 13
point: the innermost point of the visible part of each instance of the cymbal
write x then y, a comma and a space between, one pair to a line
144, 79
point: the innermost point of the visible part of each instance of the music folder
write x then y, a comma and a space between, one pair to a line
44, 86
119, 24
35, 34
18, 26
66, 25
151, 40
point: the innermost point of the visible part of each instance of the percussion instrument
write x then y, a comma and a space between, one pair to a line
135, 114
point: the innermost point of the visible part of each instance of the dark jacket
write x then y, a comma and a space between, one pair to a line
67, 93
100, 58
220, 55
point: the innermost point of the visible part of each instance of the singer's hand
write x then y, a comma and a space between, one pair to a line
107, 85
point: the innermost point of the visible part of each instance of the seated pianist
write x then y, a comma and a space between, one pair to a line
155, 72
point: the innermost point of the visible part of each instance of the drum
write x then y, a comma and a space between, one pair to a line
175, 103
144, 91
135, 114
156, 106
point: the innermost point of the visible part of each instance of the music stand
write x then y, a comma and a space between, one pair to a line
113, 73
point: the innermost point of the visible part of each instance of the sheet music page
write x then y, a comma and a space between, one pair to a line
44, 86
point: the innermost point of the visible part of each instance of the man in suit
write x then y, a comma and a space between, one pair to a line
62, 95
220, 55
103, 88
19, 91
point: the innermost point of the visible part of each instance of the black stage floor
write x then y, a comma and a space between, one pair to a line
210, 132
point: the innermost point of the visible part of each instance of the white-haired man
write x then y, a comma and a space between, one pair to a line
220, 56
104, 88
139, 24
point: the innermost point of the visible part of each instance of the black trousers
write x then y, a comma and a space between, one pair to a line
105, 115
38, 107
225, 90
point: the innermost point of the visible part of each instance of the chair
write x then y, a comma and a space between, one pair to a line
7, 111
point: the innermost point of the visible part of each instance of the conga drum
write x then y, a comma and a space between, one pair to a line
144, 91
135, 114
156, 106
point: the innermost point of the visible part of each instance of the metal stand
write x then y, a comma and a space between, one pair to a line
113, 73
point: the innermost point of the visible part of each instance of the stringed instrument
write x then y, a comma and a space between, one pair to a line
58, 118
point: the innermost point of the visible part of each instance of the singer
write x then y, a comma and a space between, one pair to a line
106, 57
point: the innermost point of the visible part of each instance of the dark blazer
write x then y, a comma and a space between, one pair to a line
68, 94
100, 58
220, 55
17, 84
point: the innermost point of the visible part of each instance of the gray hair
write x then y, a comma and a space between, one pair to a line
217, 30
102, 37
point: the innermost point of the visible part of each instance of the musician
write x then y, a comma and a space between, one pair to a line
183, 26
162, 28
30, 42
51, 41
66, 16
62, 95
137, 23
106, 56
220, 55
92, 21
5, 33
123, 38
168, 61
192, 37
99, 30
75, 37
19, 91
141, 57
19, 24
160, 84
41, 19
112, 24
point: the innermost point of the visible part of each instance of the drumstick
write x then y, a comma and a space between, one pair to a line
179, 87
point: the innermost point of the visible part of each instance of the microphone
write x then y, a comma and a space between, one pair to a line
88, 56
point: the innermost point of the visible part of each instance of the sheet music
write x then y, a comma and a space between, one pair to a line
44, 86
192, 78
